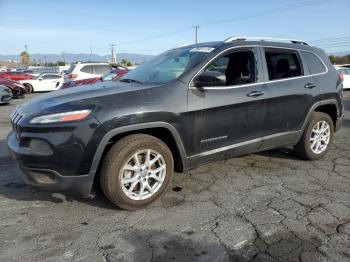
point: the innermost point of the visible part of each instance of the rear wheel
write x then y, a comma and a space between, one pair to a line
136, 171
317, 137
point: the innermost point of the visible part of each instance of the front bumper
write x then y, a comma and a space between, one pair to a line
43, 178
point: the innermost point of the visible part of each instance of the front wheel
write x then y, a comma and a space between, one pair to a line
317, 137
136, 171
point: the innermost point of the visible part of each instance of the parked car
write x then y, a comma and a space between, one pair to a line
16, 76
5, 95
43, 82
114, 74
82, 71
18, 89
345, 75
186, 107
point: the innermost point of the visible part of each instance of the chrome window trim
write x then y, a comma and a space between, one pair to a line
257, 83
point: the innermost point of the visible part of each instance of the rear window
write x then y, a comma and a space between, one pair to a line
87, 69
282, 64
102, 69
70, 70
313, 63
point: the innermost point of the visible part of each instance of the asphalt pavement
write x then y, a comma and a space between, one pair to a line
269, 206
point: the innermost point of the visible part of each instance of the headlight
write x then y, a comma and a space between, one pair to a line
61, 117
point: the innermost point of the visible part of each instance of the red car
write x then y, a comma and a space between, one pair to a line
114, 74
16, 76
18, 89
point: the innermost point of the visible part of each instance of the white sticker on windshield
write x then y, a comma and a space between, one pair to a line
202, 49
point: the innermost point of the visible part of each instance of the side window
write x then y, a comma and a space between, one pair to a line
282, 64
87, 69
102, 69
313, 63
239, 67
50, 77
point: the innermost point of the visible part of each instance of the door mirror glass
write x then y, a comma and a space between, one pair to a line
40, 78
209, 78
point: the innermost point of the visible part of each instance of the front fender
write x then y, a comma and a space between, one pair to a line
135, 127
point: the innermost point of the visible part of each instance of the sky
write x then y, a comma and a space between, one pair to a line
153, 26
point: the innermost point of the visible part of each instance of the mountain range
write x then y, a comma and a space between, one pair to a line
71, 58
83, 57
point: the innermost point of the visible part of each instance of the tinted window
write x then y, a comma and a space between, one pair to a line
70, 70
282, 64
239, 67
102, 69
313, 63
51, 77
87, 69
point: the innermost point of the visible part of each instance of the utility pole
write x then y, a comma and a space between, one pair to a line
113, 60
196, 33
26, 57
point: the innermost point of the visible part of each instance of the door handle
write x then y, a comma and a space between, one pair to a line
310, 86
255, 94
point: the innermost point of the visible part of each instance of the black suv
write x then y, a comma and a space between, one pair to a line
186, 107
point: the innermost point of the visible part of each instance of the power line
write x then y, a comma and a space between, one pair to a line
265, 12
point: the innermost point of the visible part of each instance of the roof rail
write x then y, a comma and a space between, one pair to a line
259, 38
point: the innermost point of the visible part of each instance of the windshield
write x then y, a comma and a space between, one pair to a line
70, 70
109, 76
167, 66
38, 76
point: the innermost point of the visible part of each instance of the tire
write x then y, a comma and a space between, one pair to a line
31, 89
305, 149
122, 153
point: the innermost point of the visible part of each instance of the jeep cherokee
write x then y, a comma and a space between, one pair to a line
183, 108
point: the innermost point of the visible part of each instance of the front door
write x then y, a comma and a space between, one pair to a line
228, 120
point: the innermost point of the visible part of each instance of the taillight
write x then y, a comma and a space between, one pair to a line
341, 77
72, 76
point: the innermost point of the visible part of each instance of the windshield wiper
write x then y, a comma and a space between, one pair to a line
128, 80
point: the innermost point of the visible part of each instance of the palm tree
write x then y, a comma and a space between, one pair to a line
25, 58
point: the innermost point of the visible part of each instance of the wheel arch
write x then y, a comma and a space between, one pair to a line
162, 130
329, 106
31, 87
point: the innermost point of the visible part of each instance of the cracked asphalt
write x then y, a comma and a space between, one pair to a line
269, 206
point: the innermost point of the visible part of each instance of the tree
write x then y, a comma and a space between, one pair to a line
61, 63
25, 58
125, 62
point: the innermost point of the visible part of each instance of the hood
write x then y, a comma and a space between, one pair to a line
8, 81
77, 97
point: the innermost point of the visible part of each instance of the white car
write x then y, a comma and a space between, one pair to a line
82, 71
346, 76
44, 82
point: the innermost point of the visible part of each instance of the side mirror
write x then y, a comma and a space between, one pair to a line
40, 78
209, 78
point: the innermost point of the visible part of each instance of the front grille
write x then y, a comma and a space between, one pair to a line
16, 118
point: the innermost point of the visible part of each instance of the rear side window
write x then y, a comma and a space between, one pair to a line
314, 64
102, 69
87, 69
282, 64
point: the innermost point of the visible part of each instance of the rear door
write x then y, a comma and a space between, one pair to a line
291, 91
228, 120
